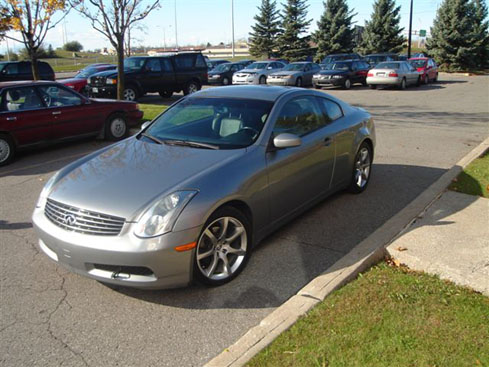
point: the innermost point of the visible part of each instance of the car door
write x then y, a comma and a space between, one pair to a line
167, 79
300, 174
307, 80
152, 75
412, 73
71, 115
23, 114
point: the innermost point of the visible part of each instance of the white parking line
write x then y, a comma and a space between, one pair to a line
3, 174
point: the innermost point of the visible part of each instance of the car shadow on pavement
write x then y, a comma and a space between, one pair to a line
307, 246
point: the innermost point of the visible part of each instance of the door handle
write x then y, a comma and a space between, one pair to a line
11, 118
328, 141
57, 113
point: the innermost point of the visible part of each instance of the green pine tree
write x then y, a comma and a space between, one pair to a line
334, 34
453, 40
481, 34
291, 43
266, 30
383, 33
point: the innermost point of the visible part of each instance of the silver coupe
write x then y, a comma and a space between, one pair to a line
193, 192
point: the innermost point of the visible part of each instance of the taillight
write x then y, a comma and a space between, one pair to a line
393, 74
370, 74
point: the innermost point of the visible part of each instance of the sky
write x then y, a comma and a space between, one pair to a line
202, 21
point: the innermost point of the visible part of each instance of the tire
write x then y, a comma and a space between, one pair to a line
298, 82
364, 83
191, 87
316, 86
211, 249
362, 169
225, 81
426, 79
403, 86
262, 80
418, 82
116, 127
166, 93
130, 93
372, 86
347, 84
7, 149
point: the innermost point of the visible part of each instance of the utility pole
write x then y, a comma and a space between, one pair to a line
176, 33
8, 50
232, 23
410, 26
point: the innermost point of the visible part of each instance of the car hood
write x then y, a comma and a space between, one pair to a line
285, 73
125, 178
72, 81
333, 72
216, 73
250, 71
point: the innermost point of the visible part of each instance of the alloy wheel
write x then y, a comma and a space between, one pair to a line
221, 248
192, 88
362, 167
4, 150
129, 94
118, 127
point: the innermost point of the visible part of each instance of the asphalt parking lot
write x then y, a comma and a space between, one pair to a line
50, 317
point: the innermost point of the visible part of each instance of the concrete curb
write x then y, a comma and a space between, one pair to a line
365, 254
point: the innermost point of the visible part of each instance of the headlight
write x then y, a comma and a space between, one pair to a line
46, 190
111, 81
160, 217
316, 75
251, 74
337, 76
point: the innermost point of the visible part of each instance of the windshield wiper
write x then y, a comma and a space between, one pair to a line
190, 144
151, 137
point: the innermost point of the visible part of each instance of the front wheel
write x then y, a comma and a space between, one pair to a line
347, 84
362, 168
225, 81
116, 127
402, 86
298, 82
191, 87
166, 93
7, 149
372, 86
223, 247
130, 94
262, 80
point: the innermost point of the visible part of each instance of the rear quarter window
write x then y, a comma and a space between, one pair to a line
185, 61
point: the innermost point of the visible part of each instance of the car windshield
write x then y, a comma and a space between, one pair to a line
223, 123
222, 67
336, 66
388, 65
85, 73
294, 67
257, 65
134, 63
418, 63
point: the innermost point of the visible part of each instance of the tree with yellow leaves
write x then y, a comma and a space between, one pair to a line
32, 19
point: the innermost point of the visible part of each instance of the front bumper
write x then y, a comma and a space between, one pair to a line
245, 80
215, 81
104, 91
134, 117
327, 82
273, 81
124, 259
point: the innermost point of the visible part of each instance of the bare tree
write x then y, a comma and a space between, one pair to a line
113, 19
32, 19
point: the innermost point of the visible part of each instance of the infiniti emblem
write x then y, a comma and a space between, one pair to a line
69, 219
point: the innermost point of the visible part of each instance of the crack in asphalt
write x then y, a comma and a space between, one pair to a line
49, 328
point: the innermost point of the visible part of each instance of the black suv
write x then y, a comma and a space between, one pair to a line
22, 70
143, 74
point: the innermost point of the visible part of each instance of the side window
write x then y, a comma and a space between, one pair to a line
307, 68
185, 61
354, 66
44, 68
153, 65
11, 69
20, 99
200, 62
55, 96
299, 116
25, 68
331, 110
235, 67
167, 66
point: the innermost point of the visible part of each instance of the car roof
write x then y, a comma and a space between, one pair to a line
262, 92
25, 82
418, 58
381, 54
301, 62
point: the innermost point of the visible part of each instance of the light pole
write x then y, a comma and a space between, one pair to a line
232, 23
410, 27
176, 33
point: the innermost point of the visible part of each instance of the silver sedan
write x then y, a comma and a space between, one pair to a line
296, 73
193, 192
393, 73
257, 72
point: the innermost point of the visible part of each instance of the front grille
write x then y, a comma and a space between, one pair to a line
133, 270
81, 220
97, 80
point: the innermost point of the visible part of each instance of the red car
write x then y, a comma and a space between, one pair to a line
34, 113
426, 67
79, 81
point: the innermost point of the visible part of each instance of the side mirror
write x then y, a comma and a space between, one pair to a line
286, 140
145, 125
